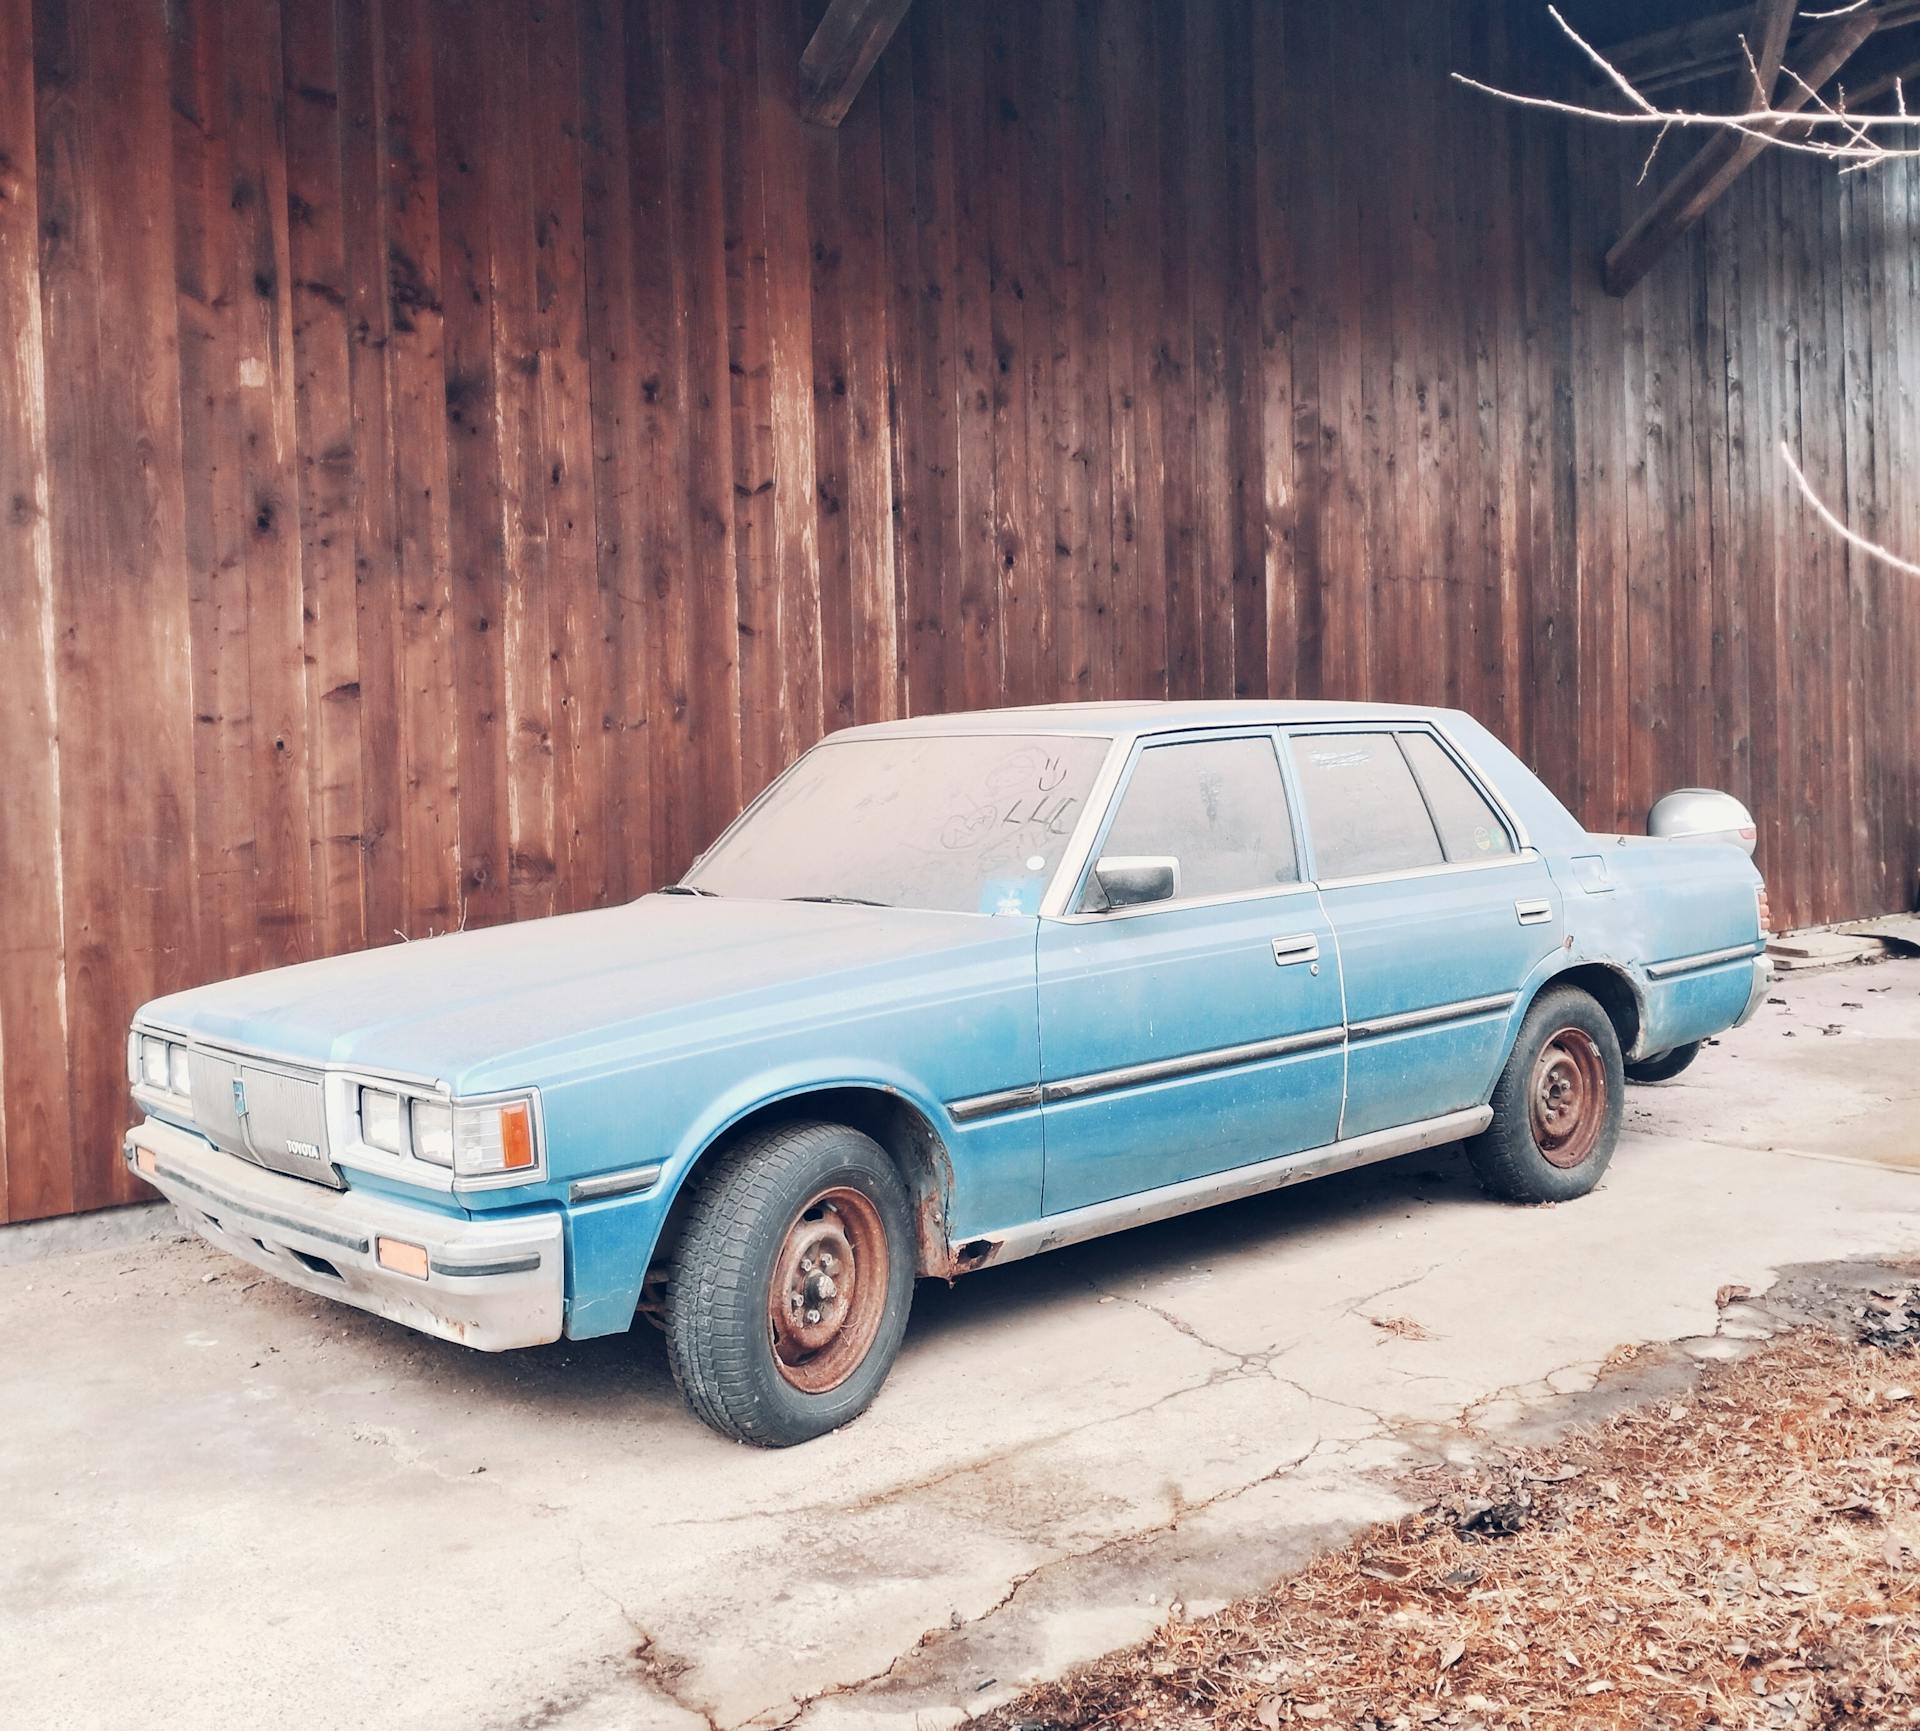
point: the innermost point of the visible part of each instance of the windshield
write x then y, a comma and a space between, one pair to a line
966, 823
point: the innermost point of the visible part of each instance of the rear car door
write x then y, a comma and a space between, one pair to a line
1441, 910
1186, 1036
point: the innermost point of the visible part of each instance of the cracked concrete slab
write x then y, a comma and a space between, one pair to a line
272, 1501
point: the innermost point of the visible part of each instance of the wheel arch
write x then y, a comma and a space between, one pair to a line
902, 1127
1609, 985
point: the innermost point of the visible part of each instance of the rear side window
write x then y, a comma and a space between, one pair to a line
1363, 808
1470, 828
1218, 807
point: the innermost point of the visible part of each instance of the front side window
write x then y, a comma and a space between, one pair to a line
1470, 829
1363, 807
961, 823
1217, 807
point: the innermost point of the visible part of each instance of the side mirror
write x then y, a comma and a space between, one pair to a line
1127, 880
1702, 814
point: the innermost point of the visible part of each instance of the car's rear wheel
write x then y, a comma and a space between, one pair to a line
1664, 1066
1556, 1107
790, 1284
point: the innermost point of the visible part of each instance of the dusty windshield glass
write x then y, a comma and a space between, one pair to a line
972, 823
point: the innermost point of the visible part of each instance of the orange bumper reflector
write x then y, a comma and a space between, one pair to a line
144, 1159
516, 1137
402, 1257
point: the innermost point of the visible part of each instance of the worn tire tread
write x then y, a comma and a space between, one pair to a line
1504, 1157
715, 1300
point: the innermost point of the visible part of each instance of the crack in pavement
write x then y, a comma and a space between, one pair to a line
797, 1710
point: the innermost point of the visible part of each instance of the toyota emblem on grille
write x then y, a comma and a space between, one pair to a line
239, 1098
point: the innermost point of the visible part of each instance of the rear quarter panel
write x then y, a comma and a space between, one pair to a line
1650, 907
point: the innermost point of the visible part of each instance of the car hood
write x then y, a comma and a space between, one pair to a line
498, 1007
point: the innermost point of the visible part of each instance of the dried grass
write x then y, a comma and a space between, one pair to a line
1746, 1556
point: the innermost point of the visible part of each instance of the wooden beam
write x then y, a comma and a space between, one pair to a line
1724, 158
840, 54
1709, 47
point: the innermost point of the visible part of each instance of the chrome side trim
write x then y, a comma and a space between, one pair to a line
1099, 1218
1411, 873
1466, 1009
1705, 959
1105, 916
628, 1183
1190, 1064
978, 1106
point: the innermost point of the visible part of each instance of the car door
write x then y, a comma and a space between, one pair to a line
1440, 908
1184, 1036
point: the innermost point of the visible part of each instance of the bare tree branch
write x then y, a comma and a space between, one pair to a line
1830, 131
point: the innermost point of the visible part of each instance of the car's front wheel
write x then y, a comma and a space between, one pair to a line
791, 1283
1556, 1107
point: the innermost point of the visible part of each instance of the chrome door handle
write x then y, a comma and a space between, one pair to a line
1299, 947
1535, 913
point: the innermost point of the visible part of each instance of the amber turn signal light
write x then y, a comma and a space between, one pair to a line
516, 1136
402, 1257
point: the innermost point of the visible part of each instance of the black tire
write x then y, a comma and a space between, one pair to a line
1664, 1066
1556, 1107
748, 1223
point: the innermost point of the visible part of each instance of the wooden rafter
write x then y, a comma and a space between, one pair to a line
1726, 154
1709, 47
840, 54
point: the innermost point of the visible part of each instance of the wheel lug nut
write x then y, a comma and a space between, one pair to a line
813, 1316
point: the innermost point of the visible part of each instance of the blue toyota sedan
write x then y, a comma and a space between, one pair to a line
953, 991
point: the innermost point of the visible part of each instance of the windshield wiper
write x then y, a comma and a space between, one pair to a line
686, 890
848, 901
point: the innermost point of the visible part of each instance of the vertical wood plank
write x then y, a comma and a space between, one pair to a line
36, 1131
328, 468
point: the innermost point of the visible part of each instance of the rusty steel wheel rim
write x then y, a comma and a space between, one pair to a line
1567, 1098
829, 1290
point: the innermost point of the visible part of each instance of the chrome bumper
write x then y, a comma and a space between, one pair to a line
1757, 993
491, 1284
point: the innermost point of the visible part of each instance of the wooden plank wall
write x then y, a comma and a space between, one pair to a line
451, 455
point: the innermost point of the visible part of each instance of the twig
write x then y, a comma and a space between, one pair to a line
1811, 134
1852, 537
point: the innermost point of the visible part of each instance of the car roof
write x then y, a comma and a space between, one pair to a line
1127, 719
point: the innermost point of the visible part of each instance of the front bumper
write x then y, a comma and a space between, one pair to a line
491, 1284
1757, 993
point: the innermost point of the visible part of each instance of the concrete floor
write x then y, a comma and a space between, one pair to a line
220, 1498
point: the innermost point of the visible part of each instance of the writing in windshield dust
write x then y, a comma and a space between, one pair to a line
1020, 799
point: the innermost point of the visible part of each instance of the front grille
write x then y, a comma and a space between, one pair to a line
269, 1113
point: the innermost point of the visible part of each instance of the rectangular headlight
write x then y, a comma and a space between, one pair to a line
180, 1071
153, 1061
380, 1120
433, 1132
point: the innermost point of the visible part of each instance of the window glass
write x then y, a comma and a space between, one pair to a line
1470, 828
1218, 807
1362, 807
970, 823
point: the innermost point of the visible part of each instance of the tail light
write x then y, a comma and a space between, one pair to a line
1761, 908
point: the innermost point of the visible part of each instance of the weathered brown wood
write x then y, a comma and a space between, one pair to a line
850, 37
557, 323
1727, 154
36, 1142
